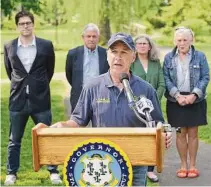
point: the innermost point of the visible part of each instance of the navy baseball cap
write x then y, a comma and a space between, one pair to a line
126, 38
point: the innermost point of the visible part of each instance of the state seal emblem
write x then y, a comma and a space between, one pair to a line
97, 162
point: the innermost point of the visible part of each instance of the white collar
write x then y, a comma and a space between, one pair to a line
33, 43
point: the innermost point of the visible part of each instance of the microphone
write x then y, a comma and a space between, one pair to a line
144, 105
124, 79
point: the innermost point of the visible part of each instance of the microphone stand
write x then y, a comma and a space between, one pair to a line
148, 122
151, 122
124, 79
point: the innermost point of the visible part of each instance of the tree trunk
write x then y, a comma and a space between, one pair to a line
104, 25
2, 14
56, 33
22, 7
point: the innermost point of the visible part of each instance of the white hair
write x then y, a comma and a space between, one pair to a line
185, 30
91, 27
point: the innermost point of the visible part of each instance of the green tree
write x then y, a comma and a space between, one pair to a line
55, 15
194, 14
118, 15
115, 15
104, 24
8, 6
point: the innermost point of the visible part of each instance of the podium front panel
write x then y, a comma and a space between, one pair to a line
143, 146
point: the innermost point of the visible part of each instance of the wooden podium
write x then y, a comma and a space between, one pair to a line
143, 146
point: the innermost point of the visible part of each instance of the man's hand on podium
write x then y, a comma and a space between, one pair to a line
71, 123
40, 125
60, 124
65, 124
167, 139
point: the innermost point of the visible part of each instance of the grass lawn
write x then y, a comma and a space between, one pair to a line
65, 42
59, 63
66, 38
26, 176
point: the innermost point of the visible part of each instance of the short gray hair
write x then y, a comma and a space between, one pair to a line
185, 30
153, 53
91, 27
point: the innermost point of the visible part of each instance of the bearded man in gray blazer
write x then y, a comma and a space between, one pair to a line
29, 63
85, 62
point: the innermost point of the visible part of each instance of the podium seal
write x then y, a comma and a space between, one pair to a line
97, 162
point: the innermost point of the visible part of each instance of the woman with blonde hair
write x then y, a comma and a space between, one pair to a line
186, 74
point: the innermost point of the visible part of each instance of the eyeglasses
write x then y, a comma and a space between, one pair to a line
142, 43
28, 23
185, 28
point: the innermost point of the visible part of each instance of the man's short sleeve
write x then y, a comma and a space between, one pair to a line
82, 113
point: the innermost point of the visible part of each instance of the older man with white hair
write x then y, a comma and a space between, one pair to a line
85, 62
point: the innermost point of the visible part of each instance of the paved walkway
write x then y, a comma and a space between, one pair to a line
172, 163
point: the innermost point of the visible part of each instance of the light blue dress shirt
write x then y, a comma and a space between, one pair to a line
91, 64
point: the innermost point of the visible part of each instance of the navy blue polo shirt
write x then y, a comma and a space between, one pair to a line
106, 106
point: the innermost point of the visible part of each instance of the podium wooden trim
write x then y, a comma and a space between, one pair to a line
143, 146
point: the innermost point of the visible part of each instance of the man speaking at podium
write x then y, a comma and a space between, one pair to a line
103, 99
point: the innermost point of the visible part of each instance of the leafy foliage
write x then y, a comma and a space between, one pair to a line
55, 12
8, 6
55, 15
104, 24
132, 16
194, 14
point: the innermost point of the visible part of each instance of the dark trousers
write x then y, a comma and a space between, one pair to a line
139, 176
18, 121
150, 168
